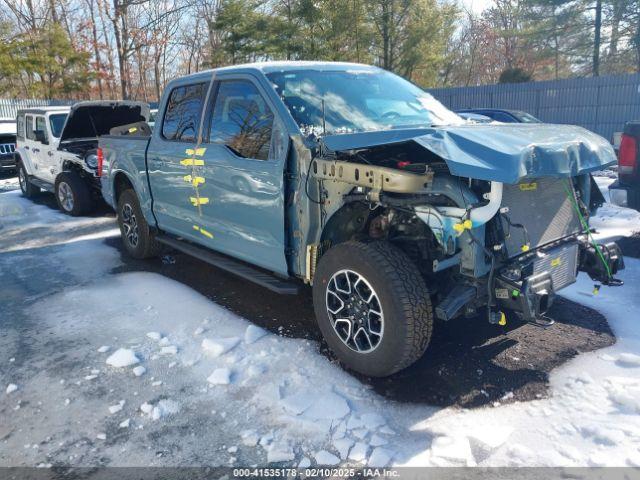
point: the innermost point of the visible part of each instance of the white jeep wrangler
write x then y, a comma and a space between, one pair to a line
56, 149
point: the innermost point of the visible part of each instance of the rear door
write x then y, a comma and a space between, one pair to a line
170, 159
242, 189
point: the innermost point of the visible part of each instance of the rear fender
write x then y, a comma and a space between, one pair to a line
119, 181
22, 155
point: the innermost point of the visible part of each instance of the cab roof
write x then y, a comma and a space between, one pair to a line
284, 66
44, 110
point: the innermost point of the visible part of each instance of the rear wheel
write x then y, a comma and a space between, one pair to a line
372, 306
28, 189
137, 237
73, 194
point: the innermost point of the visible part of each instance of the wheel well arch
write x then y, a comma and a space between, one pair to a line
121, 182
346, 222
357, 221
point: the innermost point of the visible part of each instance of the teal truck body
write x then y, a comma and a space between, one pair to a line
349, 179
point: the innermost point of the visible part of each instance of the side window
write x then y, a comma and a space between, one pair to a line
30, 134
242, 120
41, 125
20, 127
184, 109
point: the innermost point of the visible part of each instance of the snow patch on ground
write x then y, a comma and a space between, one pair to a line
215, 347
220, 376
123, 357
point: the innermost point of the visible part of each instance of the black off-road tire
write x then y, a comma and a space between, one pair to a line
130, 215
72, 184
403, 296
29, 190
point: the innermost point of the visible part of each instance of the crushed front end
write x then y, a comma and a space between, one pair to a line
542, 240
504, 226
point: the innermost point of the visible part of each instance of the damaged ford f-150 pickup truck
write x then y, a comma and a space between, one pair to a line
356, 182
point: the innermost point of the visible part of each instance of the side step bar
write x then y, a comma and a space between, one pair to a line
241, 269
42, 184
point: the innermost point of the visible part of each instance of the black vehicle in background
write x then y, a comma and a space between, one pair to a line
7, 145
475, 117
502, 115
625, 192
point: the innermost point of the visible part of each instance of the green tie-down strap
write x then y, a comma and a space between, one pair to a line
585, 226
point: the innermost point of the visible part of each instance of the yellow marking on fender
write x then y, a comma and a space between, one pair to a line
195, 181
199, 201
202, 231
528, 187
556, 261
191, 162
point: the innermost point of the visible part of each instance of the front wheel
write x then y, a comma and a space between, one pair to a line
372, 306
138, 239
73, 194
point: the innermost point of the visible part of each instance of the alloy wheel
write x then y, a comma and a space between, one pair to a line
22, 180
355, 311
130, 225
65, 195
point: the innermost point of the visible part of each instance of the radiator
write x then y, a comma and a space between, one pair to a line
543, 208
561, 262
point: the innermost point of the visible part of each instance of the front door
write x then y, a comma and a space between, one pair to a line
241, 192
44, 150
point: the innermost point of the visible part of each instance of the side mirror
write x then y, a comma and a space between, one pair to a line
41, 137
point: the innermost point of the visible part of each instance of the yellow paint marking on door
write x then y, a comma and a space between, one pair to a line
190, 162
193, 180
203, 231
198, 152
199, 201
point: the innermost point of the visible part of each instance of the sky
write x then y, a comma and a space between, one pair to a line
476, 6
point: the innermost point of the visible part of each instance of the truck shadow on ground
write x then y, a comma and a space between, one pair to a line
469, 363
48, 199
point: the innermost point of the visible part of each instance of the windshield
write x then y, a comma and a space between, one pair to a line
57, 122
357, 101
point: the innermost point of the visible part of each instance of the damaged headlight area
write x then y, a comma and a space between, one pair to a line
91, 159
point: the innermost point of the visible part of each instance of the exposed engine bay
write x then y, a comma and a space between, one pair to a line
477, 242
